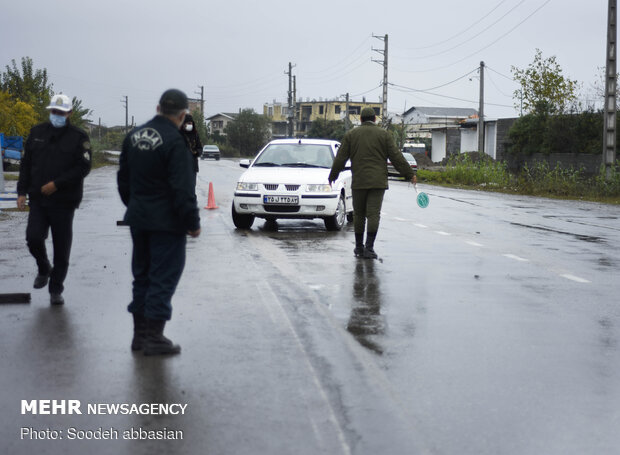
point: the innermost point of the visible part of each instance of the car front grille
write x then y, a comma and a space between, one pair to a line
281, 208
292, 187
271, 186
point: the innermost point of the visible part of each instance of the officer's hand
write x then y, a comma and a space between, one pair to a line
414, 179
21, 202
195, 233
49, 188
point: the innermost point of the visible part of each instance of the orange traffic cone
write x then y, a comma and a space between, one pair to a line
211, 200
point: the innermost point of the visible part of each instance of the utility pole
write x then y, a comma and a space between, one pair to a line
126, 103
202, 100
609, 129
346, 113
289, 121
384, 62
481, 112
294, 104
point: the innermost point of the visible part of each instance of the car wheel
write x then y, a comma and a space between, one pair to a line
350, 217
217, 158
241, 221
337, 220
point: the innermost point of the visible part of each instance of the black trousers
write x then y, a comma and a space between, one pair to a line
157, 264
60, 220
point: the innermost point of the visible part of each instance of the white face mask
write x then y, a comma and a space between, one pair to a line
189, 127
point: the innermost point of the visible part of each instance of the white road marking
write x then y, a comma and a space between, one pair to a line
420, 225
516, 258
400, 219
568, 276
472, 243
442, 233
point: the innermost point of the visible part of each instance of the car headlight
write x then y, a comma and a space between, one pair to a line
319, 188
245, 186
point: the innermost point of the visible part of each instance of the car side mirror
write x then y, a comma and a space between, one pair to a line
244, 163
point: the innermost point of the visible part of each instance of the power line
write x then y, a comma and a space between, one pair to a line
459, 33
400, 88
439, 86
470, 39
488, 45
503, 75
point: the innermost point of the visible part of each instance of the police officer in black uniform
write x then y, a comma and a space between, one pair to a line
56, 160
155, 183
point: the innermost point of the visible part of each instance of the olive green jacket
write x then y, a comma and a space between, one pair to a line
369, 147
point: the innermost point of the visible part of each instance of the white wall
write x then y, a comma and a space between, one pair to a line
438, 152
469, 140
490, 139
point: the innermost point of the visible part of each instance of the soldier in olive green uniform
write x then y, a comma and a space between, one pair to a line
369, 147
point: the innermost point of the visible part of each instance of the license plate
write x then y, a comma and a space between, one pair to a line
286, 200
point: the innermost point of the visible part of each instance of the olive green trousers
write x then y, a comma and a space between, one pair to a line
367, 205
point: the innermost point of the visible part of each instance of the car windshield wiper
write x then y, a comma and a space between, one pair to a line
266, 164
303, 165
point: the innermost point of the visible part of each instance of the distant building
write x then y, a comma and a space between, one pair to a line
421, 120
306, 112
219, 121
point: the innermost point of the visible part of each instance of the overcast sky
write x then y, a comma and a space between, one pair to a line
239, 50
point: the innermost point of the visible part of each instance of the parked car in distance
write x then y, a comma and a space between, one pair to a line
210, 151
288, 178
410, 159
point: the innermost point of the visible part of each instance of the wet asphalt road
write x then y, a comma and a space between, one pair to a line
490, 326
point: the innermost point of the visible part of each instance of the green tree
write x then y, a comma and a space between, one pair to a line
79, 114
399, 132
28, 85
248, 132
544, 89
327, 129
16, 117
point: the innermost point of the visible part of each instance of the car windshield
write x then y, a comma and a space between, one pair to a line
296, 155
210, 147
408, 156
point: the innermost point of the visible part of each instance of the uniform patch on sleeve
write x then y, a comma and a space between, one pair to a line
86, 145
87, 156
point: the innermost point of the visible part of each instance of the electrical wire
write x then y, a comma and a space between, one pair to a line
456, 35
487, 46
462, 43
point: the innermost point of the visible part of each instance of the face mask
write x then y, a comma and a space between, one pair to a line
58, 121
189, 127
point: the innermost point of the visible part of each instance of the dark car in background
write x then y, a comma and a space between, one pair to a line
210, 151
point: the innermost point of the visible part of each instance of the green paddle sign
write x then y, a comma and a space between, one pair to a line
422, 198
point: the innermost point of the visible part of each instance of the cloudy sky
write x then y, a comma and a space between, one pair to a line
239, 50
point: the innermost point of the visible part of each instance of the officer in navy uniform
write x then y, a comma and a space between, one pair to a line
155, 183
56, 160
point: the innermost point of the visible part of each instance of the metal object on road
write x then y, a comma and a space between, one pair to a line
15, 298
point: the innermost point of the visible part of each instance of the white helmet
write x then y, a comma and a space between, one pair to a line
60, 102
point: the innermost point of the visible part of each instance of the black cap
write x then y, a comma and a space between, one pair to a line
368, 112
173, 100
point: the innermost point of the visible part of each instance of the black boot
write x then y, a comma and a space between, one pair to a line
43, 276
359, 245
369, 251
139, 331
155, 343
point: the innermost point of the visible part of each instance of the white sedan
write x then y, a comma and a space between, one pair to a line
288, 179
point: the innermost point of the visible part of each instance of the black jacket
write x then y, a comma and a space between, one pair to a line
61, 155
155, 179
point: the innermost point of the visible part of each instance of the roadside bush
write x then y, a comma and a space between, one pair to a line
462, 169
